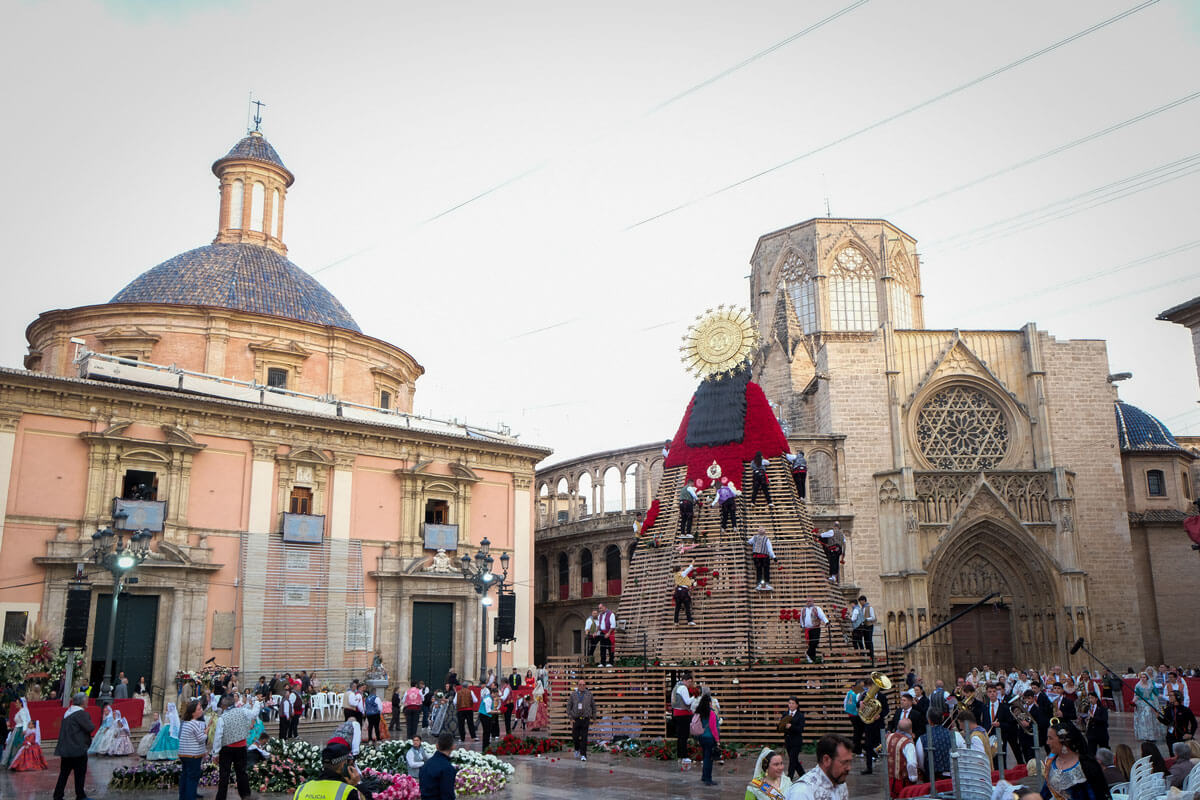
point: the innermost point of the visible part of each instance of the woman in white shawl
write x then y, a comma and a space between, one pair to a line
20, 723
166, 745
104, 734
120, 744
769, 781
1146, 725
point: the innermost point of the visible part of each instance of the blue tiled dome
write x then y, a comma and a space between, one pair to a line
254, 146
1139, 431
244, 277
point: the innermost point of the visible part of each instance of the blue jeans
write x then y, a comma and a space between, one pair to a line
707, 745
189, 781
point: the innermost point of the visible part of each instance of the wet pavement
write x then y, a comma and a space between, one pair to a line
555, 777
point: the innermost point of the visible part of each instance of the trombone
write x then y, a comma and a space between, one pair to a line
960, 702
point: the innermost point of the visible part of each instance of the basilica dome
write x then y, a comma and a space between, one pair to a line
1142, 432
242, 277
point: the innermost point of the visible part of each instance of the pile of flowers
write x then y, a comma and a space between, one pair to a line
659, 749
291, 763
35, 660
390, 756
388, 786
528, 746
469, 758
478, 780
159, 775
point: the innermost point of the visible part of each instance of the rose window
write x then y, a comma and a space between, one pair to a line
961, 428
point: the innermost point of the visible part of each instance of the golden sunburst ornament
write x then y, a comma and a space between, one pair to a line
720, 341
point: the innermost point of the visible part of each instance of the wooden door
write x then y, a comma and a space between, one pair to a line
983, 636
432, 642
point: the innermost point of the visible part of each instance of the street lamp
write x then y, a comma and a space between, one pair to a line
111, 551
478, 572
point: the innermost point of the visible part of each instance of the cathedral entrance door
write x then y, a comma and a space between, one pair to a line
983, 636
133, 640
432, 642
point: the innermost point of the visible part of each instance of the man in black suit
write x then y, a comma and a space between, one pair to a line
974, 705
873, 732
1042, 711
998, 719
791, 725
1097, 724
920, 704
1025, 731
907, 711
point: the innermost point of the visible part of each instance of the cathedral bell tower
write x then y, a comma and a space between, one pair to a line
254, 184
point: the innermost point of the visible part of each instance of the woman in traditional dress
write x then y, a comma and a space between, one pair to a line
148, 740
121, 744
104, 734
539, 711
769, 782
30, 757
259, 726
1071, 774
1146, 724
166, 746
18, 723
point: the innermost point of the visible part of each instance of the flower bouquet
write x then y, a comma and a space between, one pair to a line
389, 786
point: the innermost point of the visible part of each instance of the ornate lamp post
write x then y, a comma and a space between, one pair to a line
479, 574
119, 557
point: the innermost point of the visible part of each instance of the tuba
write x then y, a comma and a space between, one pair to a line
1083, 706
870, 708
1020, 712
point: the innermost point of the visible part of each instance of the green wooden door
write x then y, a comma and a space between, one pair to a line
432, 642
133, 643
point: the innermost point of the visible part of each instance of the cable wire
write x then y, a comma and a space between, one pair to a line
901, 114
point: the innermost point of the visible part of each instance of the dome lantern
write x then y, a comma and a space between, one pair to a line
253, 186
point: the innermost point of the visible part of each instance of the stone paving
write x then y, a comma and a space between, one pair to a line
557, 777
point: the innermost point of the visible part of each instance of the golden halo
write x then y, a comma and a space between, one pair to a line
719, 342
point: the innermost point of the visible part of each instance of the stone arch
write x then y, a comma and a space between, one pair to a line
612, 480
541, 578
587, 573
1015, 419
563, 574
992, 555
821, 476
564, 636
584, 492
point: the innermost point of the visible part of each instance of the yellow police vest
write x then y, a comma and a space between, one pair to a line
322, 790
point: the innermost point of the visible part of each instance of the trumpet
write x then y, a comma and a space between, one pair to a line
960, 702
870, 708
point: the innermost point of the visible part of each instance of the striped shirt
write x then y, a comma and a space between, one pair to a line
193, 738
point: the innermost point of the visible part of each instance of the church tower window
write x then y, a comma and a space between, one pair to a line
802, 290
899, 305
853, 303
962, 428
235, 204
1156, 486
275, 214
258, 198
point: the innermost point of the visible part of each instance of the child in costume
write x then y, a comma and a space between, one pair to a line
148, 740
30, 757
121, 744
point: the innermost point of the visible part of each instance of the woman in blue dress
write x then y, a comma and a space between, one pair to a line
166, 746
1071, 774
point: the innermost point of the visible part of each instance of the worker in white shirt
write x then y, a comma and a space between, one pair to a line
862, 619
591, 633
812, 618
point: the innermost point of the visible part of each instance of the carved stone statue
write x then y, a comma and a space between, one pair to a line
441, 563
377, 676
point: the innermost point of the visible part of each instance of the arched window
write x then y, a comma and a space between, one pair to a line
275, 213
853, 303
1156, 485
612, 490
585, 494
585, 573
563, 497
544, 504
237, 196
258, 198
802, 290
900, 301
542, 579
564, 577
632, 500
612, 569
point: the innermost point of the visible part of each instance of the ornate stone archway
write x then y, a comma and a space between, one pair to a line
988, 556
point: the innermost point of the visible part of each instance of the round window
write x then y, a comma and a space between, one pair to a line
962, 428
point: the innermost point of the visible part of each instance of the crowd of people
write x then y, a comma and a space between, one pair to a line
1032, 714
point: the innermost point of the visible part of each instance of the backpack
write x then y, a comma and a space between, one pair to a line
697, 727
412, 698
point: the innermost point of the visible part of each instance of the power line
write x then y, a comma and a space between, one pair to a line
1042, 156
1090, 276
900, 114
1068, 206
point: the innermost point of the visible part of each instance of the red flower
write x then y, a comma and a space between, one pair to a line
708, 593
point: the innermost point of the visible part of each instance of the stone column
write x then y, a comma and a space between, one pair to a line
522, 566
9, 418
343, 488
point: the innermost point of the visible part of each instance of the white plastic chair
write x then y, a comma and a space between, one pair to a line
277, 698
1192, 782
972, 774
1119, 790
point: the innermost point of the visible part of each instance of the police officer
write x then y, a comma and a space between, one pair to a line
338, 775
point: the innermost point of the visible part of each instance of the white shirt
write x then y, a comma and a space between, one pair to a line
591, 626
909, 751
977, 744
608, 621
814, 617
416, 759
815, 785
857, 613
958, 742
685, 695
1179, 686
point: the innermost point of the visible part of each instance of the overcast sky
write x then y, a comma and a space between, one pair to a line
544, 304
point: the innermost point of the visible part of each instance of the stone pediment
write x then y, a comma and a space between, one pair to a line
129, 337
959, 360
280, 347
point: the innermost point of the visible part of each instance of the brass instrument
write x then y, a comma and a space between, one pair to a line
1083, 706
869, 708
1020, 712
960, 702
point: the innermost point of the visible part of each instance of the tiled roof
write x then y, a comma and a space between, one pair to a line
254, 146
244, 277
1159, 517
1141, 432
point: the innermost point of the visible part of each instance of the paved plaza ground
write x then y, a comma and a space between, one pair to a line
603, 777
